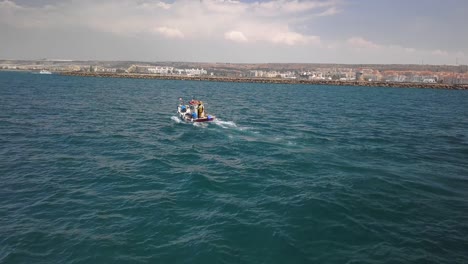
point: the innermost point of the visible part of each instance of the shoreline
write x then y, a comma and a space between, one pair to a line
269, 80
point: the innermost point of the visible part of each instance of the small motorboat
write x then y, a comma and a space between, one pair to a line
194, 111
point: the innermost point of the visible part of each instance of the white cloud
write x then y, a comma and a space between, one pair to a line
373, 52
169, 32
292, 38
235, 36
279, 7
439, 52
361, 43
270, 21
6, 5
329, 12
152, 6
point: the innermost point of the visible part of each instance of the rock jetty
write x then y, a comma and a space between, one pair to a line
269, 80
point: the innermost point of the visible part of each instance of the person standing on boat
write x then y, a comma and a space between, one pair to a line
201, 110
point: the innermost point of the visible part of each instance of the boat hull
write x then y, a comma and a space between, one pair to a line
206, 119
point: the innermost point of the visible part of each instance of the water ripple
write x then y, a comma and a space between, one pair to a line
101, 170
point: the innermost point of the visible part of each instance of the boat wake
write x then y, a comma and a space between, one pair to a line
225, 124
179, 121
234, 131
176, 119
220, 123
203, 125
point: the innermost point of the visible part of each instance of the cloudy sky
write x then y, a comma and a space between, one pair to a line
255, 31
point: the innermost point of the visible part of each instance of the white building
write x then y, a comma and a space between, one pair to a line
161, 70
190, 72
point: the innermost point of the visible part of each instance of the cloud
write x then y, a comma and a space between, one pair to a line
361, 43
329, 12
373, 52
154, 5
266, 28
235, 36
274, 21
6, 4
293, 38
460, 54
280, 7
169, 32
439, 52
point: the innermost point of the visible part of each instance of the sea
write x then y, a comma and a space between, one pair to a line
101, 170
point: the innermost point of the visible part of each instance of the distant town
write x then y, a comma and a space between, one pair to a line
442, 74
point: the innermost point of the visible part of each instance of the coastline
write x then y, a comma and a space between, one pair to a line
269, 80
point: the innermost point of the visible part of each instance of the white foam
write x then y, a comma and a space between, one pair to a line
200, 124
224, 124
176, 119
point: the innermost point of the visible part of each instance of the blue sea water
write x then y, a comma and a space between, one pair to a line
100, 170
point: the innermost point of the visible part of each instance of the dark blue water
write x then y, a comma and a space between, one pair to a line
99, 171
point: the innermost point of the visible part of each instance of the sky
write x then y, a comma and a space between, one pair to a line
237, 31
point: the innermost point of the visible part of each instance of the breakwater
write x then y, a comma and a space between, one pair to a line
271, 80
